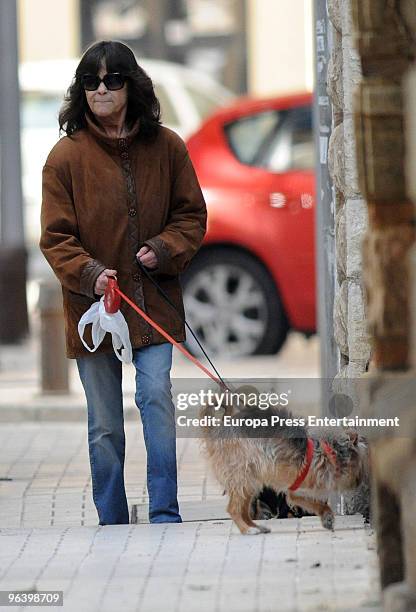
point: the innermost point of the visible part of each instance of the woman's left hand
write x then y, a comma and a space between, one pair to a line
147, 257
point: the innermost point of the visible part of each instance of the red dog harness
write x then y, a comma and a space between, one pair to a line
329, 452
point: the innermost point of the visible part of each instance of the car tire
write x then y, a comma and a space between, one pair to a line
215, 286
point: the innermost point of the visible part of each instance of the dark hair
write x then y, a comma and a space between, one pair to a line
142, 102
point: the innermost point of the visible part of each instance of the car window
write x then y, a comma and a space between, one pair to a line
276, 140
293, 146
169, 115
40, 110
204, 103
248, 135
303, 146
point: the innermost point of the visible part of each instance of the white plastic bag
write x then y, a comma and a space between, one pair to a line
103, 322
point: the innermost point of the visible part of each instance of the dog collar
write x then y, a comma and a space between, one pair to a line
329, 452
305, 469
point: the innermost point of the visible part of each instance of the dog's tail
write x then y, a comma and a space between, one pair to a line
211, 410
230, 404
213, 413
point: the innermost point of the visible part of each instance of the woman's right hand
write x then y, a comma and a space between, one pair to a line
102, 281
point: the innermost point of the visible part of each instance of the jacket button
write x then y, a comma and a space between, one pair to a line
132, 212
146, 339
136, 276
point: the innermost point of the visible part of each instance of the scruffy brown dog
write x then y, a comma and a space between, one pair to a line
284, 458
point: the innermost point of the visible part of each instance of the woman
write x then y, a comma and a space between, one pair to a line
119, 188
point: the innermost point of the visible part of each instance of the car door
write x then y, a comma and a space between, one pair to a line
275, 153
290, 160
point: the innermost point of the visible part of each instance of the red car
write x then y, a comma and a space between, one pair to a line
254, 277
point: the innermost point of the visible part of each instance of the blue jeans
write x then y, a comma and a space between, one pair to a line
101, 376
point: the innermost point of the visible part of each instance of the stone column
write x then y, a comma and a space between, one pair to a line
385, 36
349, 319
344, 74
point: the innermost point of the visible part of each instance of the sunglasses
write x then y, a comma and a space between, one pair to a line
112, 81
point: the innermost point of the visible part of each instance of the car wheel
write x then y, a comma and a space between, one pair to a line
232, 304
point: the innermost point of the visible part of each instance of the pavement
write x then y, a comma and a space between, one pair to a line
50, 540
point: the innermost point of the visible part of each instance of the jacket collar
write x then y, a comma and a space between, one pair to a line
114, 143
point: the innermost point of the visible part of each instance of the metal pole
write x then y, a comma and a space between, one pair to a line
54, 364
235, 72
13, 308
325, 214
157, 14
325, 219
86, 9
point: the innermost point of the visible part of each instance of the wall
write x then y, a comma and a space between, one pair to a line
280, 46
48, 29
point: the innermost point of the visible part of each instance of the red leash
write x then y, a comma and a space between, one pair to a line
112, 303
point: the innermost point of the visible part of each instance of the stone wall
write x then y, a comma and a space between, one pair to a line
349, 316
344, 75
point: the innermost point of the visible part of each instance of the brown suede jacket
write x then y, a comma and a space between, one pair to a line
104, 198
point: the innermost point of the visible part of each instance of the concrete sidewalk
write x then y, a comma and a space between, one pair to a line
195, 566
50, 539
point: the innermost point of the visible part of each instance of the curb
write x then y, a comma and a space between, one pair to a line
57, 408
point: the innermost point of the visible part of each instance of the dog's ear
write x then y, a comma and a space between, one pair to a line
353, 436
